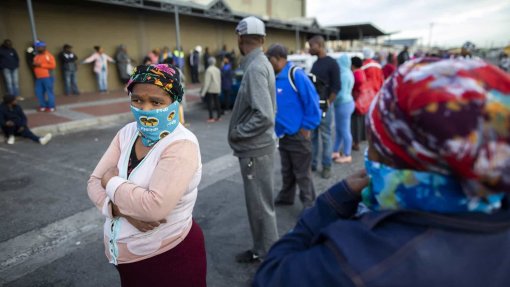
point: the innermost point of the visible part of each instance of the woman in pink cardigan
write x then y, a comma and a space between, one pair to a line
146, 187
100, 60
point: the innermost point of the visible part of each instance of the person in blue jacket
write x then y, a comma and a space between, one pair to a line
343, 107
297, 114
435, 190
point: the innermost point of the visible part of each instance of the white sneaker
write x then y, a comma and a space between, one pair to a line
45, 139
11, 140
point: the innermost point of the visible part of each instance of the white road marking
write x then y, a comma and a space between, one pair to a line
25, 253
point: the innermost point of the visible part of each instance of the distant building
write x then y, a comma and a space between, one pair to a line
401, 42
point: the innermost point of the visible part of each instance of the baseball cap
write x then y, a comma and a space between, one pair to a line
40, 44
251, 26
278, 51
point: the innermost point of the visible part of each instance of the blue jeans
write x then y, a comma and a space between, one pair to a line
343, 136
11, 81
70, 83
45, 86
324, 130
102, 81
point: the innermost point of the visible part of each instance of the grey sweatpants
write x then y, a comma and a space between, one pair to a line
258, 178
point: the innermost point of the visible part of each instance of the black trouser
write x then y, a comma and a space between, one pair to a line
210, 99
296, 159
226, 96
358, 128
23, 131
194, 74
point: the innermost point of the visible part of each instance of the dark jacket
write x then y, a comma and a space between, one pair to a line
226, 77
68, 61
331, 247
8, 58
403, 57
195, 59
14, 114
251, 130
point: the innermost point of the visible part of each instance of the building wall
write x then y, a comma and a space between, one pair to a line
279, 9
86, 24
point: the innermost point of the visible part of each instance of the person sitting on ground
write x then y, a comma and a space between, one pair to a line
14, 122
436, 185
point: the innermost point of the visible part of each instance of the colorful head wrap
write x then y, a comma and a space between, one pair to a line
450, 117
165, 76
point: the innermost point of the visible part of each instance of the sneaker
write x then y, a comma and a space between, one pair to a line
41, 109
344, 159
210, 120
355, 147
50, 110
248, 257
326, 172
335, 155
45, 139
11, 139
20, 99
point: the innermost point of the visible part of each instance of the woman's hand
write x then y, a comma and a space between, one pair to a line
357, 181
142, 225
138, 224
111, 172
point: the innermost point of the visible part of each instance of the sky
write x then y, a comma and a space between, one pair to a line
483, 22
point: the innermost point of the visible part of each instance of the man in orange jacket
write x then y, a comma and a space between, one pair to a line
44, 64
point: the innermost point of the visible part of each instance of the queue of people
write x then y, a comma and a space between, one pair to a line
430, 208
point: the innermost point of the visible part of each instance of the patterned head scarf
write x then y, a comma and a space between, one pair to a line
450, 117
165, 76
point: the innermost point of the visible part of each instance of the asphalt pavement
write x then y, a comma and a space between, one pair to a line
51, 233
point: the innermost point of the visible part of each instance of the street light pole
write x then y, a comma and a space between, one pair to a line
430, 34
177, 28
32, 22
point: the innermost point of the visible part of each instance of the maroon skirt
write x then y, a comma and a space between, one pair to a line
182, 266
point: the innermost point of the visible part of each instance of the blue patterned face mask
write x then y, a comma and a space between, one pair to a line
154, 125
393, 189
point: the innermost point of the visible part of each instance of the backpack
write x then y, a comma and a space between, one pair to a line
319, 85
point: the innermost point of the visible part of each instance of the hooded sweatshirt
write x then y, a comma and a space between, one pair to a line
346, 80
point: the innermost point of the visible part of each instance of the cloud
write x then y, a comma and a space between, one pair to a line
481, 21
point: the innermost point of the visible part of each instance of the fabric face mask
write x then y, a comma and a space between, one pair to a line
154, 125
394, 189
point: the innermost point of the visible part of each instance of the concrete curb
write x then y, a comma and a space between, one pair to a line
89, 123
81, 125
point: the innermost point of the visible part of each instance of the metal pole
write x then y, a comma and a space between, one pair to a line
298, 45
32, 22
177, 28
430, 34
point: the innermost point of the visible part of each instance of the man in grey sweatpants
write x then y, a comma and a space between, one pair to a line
251, 136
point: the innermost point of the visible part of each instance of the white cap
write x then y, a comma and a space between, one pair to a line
251, 26
368, 53
198, 49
